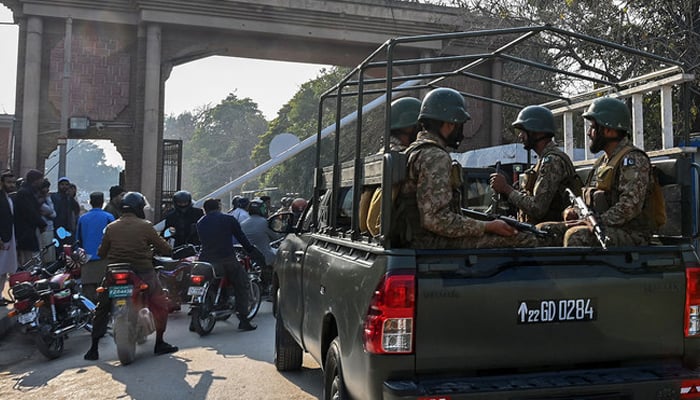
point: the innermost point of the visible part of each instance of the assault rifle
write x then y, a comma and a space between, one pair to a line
521, 226
586, 213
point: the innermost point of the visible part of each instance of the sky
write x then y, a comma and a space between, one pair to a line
190, 86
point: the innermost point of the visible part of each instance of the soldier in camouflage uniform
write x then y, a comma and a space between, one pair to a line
618, 186
404, 123
427, 212
543, 196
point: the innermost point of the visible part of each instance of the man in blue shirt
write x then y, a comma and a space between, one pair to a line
91, 226
215, 230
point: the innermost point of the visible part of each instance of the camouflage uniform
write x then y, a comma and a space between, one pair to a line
545, 198
428, 211
394, 144
622, 217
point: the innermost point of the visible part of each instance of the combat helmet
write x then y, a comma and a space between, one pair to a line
535, 119
444, 104
404, 112
611, 113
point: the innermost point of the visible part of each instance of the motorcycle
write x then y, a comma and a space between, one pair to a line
212, 294
48, 302
174, 274
132, 321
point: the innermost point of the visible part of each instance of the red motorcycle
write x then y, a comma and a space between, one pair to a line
213, 298
47, 300
174, 274
132, 321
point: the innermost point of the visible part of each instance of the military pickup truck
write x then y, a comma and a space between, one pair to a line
444, 324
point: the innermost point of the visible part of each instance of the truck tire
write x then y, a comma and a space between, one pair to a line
126, 345
288, 354
333, 382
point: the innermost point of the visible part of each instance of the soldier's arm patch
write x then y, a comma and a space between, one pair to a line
627, 161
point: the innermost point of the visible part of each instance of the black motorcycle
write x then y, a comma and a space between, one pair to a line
213, 298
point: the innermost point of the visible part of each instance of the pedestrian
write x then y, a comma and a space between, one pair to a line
48, 214
27, 216
618, 186
8, 250
91, 226
428, 204
67, 208
116, 193
543, 194
130, 239
215, 230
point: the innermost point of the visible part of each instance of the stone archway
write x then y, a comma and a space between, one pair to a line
122, 52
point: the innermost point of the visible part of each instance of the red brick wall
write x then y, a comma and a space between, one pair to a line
100, 69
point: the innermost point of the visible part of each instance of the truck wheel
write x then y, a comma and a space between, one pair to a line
126, 346
288, 354
333, 382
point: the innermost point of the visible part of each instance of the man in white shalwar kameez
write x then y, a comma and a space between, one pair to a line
8, 246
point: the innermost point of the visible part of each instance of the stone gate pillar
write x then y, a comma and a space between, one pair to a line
149, 163
31, 95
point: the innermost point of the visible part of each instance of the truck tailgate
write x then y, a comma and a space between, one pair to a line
547, 308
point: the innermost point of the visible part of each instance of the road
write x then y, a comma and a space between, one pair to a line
227, 364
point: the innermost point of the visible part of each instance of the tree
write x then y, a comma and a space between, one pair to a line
86, 166
223, 139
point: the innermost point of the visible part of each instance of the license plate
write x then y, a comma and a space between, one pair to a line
27, 318
560, 310
195, 291
120, 291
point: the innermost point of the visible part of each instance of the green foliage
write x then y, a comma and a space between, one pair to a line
217, 142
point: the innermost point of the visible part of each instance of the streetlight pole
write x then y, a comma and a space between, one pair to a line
65, 98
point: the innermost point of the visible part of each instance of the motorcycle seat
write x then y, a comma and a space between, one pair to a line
166, 262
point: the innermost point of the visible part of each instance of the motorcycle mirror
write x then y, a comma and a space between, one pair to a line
55, 242
62, 233
281, 222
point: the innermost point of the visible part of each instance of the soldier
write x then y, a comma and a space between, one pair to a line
618, 186
404, 128
428, 205
543, 196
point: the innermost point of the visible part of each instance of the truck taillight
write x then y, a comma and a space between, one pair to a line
692, 301
389, 324
690, 389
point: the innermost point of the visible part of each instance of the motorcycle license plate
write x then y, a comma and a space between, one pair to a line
27, 318
195, 291
120, 291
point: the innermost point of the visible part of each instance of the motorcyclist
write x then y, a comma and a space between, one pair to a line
129, 240
297, 208
215, 230
181, 220
260, 235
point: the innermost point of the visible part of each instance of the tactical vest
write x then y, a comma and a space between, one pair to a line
605, 178
405, 221
559, 202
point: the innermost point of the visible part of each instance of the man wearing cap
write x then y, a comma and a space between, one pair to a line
27, 216
116, 193
67, 209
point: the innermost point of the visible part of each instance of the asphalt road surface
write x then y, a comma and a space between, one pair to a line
227, 364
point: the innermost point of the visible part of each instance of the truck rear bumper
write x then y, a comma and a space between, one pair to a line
643, 382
